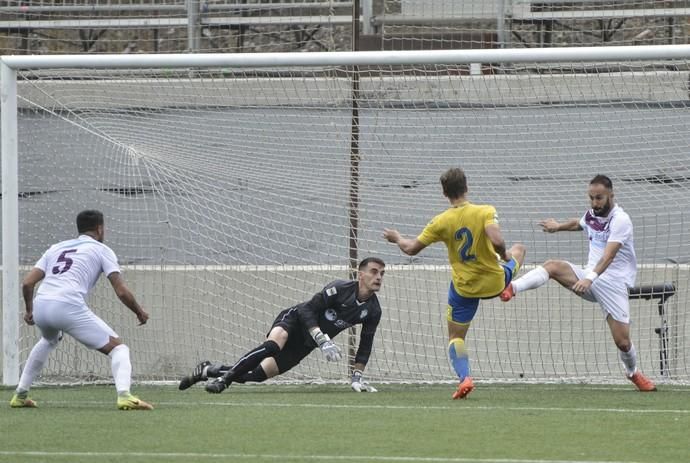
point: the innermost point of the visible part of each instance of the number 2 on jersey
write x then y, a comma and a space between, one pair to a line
464, 234
63, 259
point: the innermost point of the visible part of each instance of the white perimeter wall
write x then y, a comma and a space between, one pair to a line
219, 314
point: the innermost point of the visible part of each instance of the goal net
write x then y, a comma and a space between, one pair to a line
235, 186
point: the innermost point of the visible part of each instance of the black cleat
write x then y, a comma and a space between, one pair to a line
197, 375
216, 386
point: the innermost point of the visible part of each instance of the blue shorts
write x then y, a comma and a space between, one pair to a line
462, 309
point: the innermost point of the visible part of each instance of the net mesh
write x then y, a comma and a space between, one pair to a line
228, 197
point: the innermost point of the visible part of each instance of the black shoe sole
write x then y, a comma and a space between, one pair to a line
186, 383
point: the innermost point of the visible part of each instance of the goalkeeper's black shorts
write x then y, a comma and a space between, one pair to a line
299, 343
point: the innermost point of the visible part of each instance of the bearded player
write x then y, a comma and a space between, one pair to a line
611, 269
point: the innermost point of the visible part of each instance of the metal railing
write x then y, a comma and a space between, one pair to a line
190, 18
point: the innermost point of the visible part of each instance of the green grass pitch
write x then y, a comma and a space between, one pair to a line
498, 423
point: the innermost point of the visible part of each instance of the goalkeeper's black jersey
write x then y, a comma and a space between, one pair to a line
336, 308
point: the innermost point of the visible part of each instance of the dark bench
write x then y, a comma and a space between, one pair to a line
661, 292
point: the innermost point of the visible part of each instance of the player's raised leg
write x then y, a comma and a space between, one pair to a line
517, 252
511, 269
559, 270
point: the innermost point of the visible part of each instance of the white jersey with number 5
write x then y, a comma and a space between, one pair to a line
72, 268
616, 227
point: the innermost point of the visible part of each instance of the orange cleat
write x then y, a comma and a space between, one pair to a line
643, 383
464, 389
508, 293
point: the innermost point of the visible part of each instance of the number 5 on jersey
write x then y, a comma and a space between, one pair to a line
63, 259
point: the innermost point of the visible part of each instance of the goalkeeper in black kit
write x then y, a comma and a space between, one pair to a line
298, 330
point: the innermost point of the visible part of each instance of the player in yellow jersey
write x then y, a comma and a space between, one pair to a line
475, 245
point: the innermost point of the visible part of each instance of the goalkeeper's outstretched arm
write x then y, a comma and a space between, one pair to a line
357, 382
329, 349
366, 340
366, 343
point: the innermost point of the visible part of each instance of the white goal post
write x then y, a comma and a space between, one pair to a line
236, 185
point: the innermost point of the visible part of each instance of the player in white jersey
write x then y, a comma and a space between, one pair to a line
610, 271
69, 270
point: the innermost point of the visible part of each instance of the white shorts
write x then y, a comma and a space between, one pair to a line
78, 321
612, 296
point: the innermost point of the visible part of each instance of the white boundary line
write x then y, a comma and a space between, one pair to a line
325, 267
248, 456
398, 407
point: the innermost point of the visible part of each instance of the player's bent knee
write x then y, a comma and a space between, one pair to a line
52, 342
623, 344
518, 248
270, 367
550, 264
119, 348
272, 347
556, 267
112, 344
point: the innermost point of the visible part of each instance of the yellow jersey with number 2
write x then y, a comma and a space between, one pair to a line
473, 260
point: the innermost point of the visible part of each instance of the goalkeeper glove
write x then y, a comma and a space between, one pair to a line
328, 347
358, 385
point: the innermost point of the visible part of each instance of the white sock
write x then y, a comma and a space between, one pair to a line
532, 279
629, 360
34, 364
122, 368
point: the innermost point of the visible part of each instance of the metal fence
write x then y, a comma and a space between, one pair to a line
164, 26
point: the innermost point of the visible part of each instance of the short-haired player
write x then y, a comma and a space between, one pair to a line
475, 244
300, 329
68, 270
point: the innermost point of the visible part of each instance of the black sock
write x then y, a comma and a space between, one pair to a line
251, 360
216, 370
257, 375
